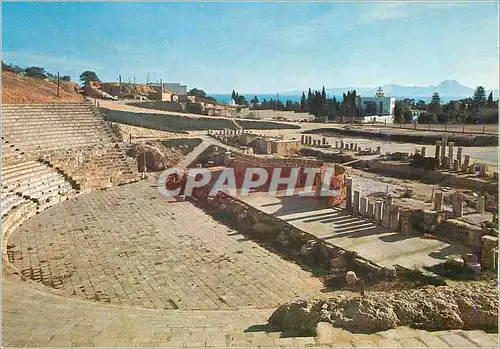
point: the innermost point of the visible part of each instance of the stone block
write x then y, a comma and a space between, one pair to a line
355, 207
394, 219
378, 210
405, 228
371, 210
363, 206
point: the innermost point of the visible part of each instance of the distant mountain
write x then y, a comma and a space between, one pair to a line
447, 89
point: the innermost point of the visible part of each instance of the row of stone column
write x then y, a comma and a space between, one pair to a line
380, 210
449, 162
354, 146
225, 132
309, 140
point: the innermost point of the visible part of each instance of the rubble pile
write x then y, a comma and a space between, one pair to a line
461, 306
155, 156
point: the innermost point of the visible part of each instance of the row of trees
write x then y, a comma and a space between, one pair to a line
315, 103
33, 72
475, 109
239, 99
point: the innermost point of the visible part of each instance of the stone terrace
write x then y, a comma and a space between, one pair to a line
382, 246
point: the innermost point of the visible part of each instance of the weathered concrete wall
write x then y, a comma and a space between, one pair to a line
167, 122
181, 122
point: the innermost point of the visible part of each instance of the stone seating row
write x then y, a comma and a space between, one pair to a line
17, 127
33, 181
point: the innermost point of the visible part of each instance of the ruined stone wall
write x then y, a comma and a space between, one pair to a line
288, 239
461, 181
397, 169
285, 148
458, 230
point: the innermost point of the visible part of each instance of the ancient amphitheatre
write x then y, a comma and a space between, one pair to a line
94, 256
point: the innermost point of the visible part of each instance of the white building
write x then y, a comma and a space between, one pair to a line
375, 109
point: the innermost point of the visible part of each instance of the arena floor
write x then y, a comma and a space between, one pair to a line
127, 246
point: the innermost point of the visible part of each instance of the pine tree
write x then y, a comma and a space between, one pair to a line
323, 95
435, 105
303, 102
479, 96
490, 98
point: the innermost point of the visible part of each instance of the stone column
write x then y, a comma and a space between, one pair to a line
394, 218
302, 139
355, 207
443, 148
488, 246
314, 142
405, 228
378, 210
450, 150
356, 146
438, 201
422, 152
363, 206
455, 165
417, 151
371, 210
386, 215
348, 197
351, 146
458, 206
324, 140
438, 149
341, 144
446, 163
378, 150
466, 163
459, 156
480, 204
336, 144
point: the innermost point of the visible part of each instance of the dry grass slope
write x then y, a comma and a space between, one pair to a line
22, 89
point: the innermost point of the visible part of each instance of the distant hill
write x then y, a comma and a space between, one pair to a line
448, 89
23, 89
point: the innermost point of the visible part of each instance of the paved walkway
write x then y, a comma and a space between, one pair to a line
351, 232
33, 316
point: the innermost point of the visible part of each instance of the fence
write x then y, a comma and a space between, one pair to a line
455, 128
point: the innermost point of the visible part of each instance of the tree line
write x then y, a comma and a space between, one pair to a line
315, 102
33, 72
471, 110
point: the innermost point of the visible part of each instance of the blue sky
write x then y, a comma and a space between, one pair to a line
260, 47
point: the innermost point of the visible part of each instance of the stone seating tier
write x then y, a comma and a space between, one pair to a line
34, 182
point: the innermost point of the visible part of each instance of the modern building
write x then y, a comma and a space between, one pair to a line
375, 109
415, 113
375, 106
175, 87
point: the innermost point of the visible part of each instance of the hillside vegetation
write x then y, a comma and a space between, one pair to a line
23, 89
